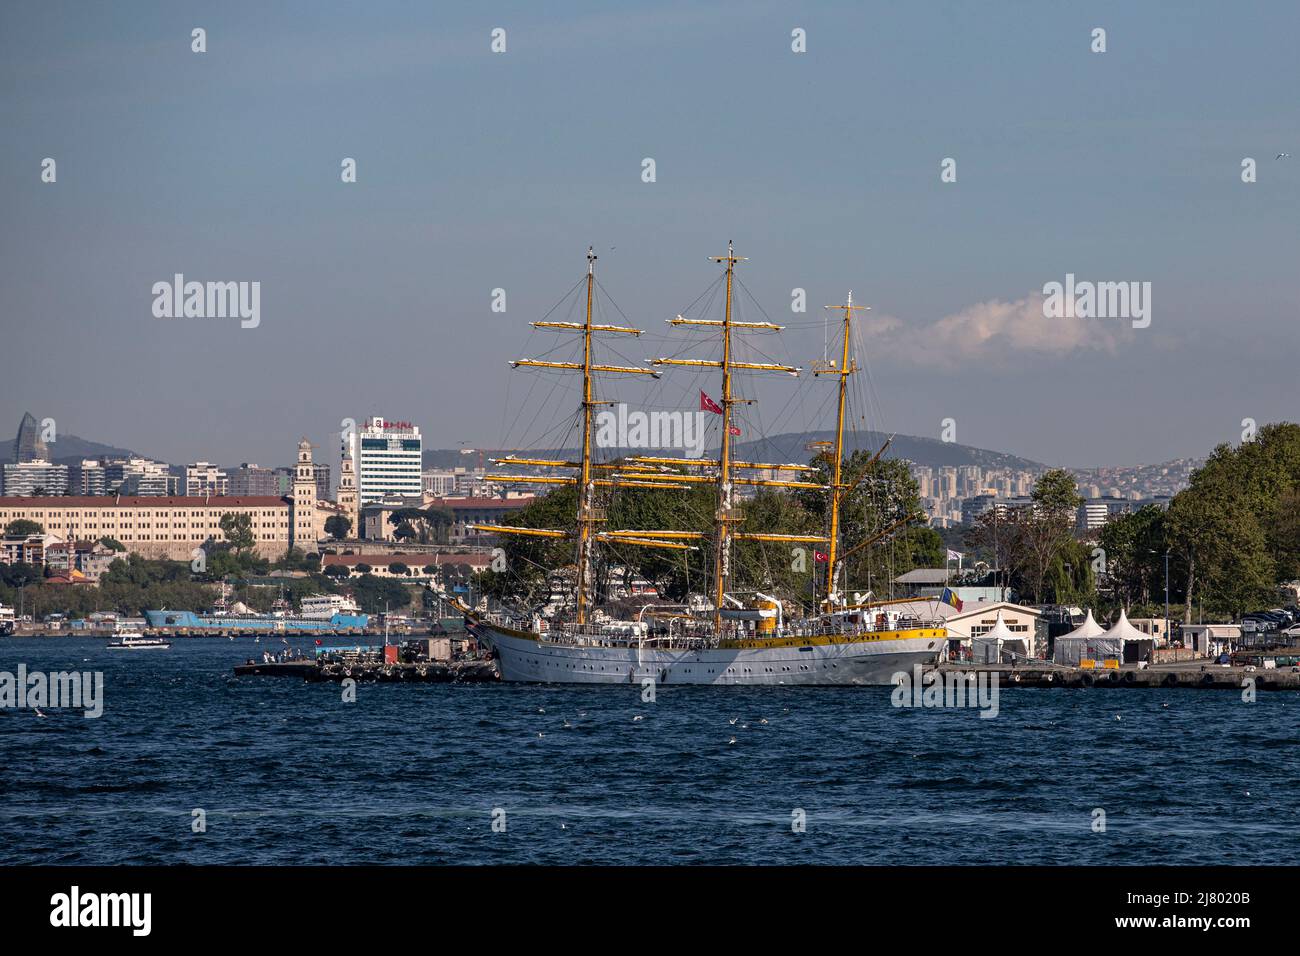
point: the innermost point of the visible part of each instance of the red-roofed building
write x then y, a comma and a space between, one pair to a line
470, 511
176, 527
155, 527
379, 563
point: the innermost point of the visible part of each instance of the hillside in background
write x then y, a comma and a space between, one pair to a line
70, 450
790, 447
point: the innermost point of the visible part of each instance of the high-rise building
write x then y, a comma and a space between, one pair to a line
29, 445
28, 478
88, 478
204, 478
138, 477
322, 471
390, 462
252, 479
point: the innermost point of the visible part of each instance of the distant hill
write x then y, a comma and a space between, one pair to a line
789, 447
70, 450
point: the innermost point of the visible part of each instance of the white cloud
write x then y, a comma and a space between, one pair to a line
993, 333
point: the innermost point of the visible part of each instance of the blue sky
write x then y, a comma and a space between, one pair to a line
479, 171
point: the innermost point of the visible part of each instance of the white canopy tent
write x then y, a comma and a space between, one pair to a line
999, 642
1122, 642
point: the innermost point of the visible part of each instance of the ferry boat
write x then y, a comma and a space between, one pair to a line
739, 637
135, 641
236, 619
323, 607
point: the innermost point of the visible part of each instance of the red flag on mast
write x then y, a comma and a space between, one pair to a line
709, 405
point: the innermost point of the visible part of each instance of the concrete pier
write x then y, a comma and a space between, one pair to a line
430, 672
1196, 675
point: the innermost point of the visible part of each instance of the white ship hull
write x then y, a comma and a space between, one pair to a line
862, 659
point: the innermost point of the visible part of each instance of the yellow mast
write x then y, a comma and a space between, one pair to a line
844, 370
722, 558
586, 487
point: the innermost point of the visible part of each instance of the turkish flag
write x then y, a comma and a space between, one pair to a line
735, 430
820, 557
709, 405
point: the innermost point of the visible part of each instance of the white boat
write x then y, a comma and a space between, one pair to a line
323, 607
135, 641
739, 637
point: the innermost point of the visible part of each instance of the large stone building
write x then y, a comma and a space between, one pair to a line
155, 527
172, 527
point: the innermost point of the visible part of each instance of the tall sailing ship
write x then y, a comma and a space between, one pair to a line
738, 637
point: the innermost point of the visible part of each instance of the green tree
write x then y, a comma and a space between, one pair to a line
1133, 547
22, 528
238, 529
338, 527
1045, 530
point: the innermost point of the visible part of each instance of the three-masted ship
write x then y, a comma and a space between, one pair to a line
736, 638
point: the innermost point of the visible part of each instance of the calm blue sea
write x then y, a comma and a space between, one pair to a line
288, 773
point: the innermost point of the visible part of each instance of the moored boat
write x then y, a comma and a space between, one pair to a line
135, 641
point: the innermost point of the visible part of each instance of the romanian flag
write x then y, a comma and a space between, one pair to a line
951, 599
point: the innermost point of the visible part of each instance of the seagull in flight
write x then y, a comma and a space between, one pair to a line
1282, 156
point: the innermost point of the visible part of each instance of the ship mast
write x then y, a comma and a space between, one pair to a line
588, 516
586, 489
726, 514
844, 370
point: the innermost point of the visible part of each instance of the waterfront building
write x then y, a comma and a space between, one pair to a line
390, 463
204, 478
173, 526
155, 527
25, 478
